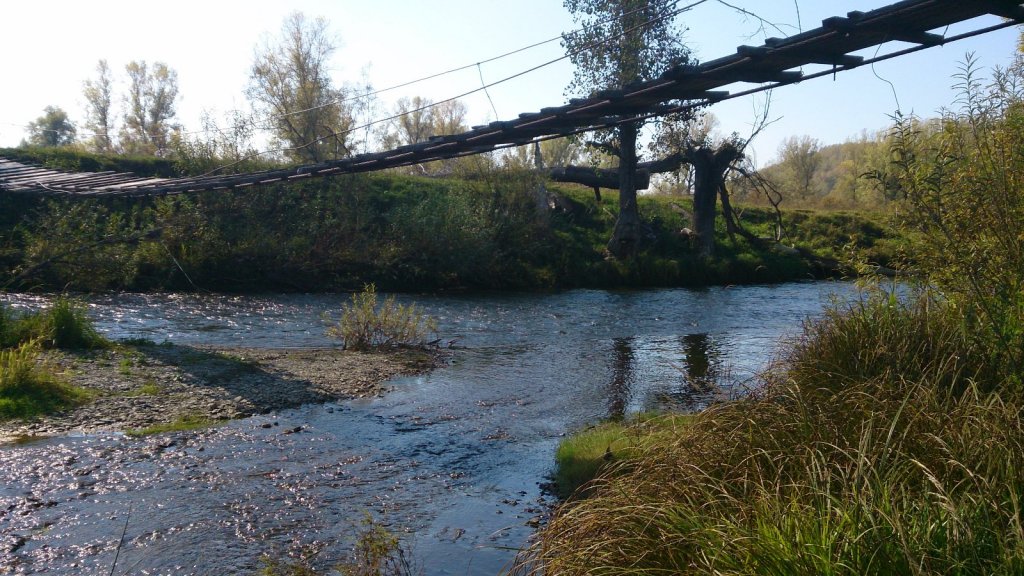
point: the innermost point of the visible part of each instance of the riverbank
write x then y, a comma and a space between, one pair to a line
483, 231
140, 387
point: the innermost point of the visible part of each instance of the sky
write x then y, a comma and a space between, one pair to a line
52, 47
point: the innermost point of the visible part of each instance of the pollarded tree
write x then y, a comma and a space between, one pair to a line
51, 129
291, 87
619, 42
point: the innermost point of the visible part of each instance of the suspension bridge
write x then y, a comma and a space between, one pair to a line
776, 63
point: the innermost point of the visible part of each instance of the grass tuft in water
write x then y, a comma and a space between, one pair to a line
65, 324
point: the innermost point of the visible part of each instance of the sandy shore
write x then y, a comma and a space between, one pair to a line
137, 387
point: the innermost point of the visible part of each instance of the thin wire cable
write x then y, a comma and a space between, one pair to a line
892, 86
396, 86
484, 85
372, 123
756, 90
475, 64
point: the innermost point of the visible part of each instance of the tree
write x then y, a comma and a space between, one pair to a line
291, 87
417, 119
620, 42
98, 102
149, 108
412, 123
51, 129
800, 155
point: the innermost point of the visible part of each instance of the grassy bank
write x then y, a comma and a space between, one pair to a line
888, 439
878, 446
400, 232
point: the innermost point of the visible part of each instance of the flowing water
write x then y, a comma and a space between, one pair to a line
454, 461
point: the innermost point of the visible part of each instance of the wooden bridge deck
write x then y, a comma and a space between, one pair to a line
775, 63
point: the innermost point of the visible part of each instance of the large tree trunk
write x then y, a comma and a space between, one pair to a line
598, 177
625, 239
709, 168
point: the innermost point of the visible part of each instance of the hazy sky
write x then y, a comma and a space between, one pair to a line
51, 47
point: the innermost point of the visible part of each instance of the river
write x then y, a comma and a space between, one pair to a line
454, 462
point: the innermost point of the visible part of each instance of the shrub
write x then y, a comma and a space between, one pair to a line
366, 326
27, 388
961, 181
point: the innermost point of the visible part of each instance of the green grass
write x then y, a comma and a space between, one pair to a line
182, 424
150, 388
881, 444
64, 324
585, 455
28, 388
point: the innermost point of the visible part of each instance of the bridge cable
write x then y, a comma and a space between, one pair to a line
672, 14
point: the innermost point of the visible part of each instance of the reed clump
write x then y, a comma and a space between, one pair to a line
65, 324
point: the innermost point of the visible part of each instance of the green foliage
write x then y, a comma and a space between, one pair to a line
28, 388
963, 205
365, 325
53, 128
73, 160
832, 177
646, 42
290, 84
397, 231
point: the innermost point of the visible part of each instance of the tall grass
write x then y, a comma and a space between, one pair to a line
28, 387
64, 324
891, 472
889, 438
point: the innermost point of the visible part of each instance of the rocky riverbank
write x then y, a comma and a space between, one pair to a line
138, 387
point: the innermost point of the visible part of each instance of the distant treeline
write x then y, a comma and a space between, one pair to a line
850, 175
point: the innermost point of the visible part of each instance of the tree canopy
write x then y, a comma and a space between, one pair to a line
291, 88
53, 128
619, 42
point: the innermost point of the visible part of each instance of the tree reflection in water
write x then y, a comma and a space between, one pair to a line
623, 377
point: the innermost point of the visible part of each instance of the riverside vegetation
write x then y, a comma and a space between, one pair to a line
888, 439
400, 232
58, 374
28, 387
